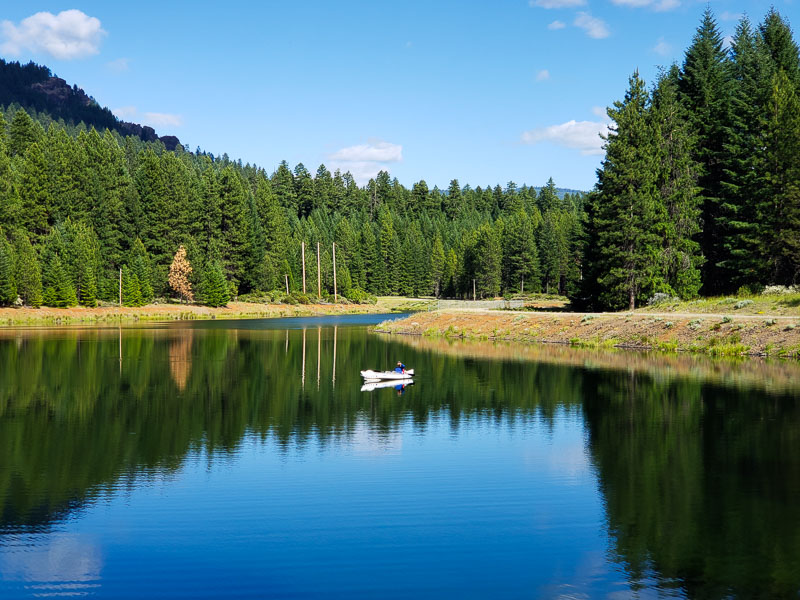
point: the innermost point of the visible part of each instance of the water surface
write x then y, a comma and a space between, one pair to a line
241, 459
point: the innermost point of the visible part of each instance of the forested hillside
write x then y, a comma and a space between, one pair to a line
35, 88
699, 192
77, 208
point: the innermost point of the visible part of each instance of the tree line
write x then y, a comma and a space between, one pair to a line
699, 191
77, 206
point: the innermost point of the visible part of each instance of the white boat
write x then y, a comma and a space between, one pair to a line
376, 385
387, 375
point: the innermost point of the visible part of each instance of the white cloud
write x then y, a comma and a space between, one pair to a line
662, 48
118, 66
657, 5
376, 151
125, 112
69, 34
557, 3
155, 119
578, 135
364, 161
543, 75
599, 111
594, 27
556, 25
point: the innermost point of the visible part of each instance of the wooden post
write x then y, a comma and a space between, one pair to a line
286, 277
120, 287
474, 296
319, 276
303, 251
334, 356
335, 295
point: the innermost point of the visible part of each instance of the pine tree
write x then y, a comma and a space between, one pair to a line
437, 268
23, 132
8, 284
28, 273
488, 256
741, 261
781, 49
705, 87
35, 192
139, 264
779, 212
627, 216
131, 288
62, 291
676, 181
548, 197
215, 288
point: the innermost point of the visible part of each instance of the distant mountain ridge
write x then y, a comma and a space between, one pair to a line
35, 87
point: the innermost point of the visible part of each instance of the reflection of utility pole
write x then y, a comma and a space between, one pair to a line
303, 250
303, 375
319, 276
120, 349
319, 353
335, 296
286, 347
334, 356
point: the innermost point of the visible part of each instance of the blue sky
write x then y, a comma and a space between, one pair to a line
485, 92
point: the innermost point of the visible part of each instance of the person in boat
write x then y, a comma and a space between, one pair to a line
400, 368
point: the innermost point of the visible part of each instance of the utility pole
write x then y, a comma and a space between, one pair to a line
319, 276
303, 252
335, 294
474, 296
286, 277
120, 287
522, 291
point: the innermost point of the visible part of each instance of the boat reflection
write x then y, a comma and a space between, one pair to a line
399, 386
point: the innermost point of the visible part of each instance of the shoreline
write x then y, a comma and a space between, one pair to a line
78, 315
715, 335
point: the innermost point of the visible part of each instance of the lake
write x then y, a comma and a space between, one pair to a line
242, 459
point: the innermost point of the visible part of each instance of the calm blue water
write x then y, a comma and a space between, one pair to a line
230, 460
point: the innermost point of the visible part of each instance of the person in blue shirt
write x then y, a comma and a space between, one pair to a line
400, 368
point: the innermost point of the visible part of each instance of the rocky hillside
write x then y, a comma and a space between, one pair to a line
35, 88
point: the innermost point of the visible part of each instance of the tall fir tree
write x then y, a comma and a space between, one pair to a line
627, 214
705, 87
676, 183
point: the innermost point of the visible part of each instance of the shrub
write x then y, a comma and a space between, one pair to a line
661, 298
300, 298
742, 304
727, 319
772, 290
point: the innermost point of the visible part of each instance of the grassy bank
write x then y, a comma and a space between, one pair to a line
713, 334
15, 317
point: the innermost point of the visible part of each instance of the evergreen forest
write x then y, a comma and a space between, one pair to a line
698, 193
